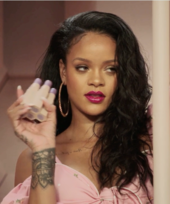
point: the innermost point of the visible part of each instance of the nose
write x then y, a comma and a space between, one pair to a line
96, 78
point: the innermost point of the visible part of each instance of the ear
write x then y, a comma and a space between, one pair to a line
62, 68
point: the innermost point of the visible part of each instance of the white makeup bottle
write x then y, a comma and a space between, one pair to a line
29, 97
41, 116
42, 92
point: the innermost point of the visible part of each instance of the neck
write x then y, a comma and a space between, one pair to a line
81, 128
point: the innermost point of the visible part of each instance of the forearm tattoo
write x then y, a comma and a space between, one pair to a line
43, 165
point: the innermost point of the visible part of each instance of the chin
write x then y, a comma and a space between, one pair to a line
94, 112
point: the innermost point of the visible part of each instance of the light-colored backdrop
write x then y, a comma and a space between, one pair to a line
25, 31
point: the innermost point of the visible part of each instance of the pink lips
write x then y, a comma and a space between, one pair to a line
95, 97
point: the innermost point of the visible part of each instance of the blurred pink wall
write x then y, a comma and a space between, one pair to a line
1, 35
74, 7
27, 30
3, 72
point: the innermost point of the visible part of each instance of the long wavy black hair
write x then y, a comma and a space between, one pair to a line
125, 120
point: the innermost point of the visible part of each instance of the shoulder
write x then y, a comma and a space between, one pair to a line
24, 166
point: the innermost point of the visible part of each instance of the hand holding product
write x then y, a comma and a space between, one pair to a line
33, 96
36, 104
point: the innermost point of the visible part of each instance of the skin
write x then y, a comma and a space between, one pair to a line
74, 145
98, 56
96, 49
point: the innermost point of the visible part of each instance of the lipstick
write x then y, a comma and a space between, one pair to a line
95, 97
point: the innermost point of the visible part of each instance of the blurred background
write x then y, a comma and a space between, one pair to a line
25, 31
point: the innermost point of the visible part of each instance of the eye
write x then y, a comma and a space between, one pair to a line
81, 68
113, 69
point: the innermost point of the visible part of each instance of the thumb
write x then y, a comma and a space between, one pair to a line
20, 91
50, 108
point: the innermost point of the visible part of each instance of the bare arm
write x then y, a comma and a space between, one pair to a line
23, 167
41, 166
42, 184
40, 138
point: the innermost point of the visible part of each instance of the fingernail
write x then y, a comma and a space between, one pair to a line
19, 87
48, 83
38, 81
53, 90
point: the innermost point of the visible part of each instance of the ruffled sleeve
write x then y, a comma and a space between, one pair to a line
19, 194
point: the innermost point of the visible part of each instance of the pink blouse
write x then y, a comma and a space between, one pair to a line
72, 187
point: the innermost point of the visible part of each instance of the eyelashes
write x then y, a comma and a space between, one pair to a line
113, 69
81, 67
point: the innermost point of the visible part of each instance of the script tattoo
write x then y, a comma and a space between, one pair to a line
43, 164
66, 152
22, 137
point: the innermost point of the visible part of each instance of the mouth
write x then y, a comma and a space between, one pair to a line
94, 95
95, 98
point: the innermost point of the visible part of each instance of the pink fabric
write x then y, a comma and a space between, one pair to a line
72, 187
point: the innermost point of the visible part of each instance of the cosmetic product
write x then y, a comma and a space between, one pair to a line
42, 115
31, 91
42, 92
28, 97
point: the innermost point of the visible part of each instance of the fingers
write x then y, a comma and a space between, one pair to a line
20, 92
16, 112
50, 108
16, 103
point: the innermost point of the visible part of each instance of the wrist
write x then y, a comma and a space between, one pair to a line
43, 153
43, 148
43, 166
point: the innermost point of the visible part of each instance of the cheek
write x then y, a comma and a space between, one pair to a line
75, 84
72, 81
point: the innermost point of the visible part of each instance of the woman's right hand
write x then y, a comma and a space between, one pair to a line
37, 136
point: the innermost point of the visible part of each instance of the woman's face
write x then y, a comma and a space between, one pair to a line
91, 66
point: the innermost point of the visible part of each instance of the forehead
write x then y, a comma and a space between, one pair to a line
93, 44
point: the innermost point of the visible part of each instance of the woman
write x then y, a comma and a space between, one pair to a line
102, 148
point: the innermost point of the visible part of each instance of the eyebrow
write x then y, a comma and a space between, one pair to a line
86, 60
